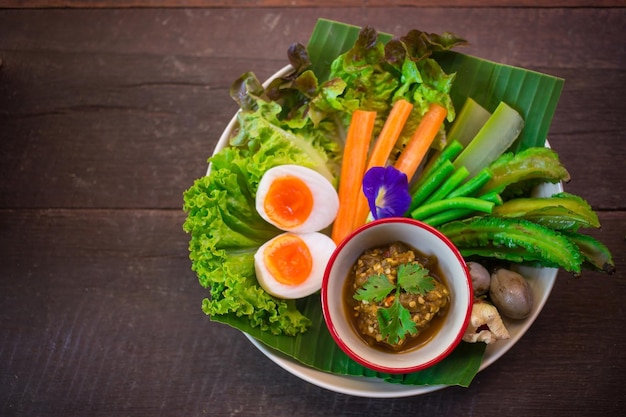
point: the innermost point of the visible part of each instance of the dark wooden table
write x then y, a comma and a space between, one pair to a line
107, 115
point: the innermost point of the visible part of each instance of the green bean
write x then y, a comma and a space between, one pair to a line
470, 203
431, 184
449, 185
455, 214
473, 185
451, 151
447, 216
492, 196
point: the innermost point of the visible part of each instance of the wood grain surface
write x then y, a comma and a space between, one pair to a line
108, 115
302, 3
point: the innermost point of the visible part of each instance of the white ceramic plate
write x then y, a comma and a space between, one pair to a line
541, 281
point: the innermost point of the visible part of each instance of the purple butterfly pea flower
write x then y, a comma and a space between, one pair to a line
387, 192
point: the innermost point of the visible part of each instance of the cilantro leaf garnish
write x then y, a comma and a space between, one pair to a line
414, 279
395, 321
376, 288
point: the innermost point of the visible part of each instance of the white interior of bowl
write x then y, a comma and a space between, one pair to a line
429, 242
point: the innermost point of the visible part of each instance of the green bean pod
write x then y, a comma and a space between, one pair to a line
431, 184
448, 185
449, 215
468, 203
451, 151
473, 184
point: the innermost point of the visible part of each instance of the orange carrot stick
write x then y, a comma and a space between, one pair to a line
382, 149
417, 147
352, 169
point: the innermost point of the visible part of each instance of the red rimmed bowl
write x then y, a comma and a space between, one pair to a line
429, 242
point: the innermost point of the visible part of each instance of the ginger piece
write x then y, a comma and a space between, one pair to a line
485, 324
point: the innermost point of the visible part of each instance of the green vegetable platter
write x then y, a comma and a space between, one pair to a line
226, 231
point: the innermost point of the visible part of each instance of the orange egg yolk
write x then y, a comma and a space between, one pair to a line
288, 202
288, 259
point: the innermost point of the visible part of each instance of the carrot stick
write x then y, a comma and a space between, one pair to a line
390, 133
417, 147
352, 169
382, 149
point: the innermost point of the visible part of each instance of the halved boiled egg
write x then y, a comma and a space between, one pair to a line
295, 198
291, 265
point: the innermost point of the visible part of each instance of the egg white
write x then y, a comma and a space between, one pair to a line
321, 248
325, 198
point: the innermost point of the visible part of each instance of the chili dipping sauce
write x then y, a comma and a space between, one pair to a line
428, 311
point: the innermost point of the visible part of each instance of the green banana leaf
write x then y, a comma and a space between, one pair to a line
533, 94
317, 349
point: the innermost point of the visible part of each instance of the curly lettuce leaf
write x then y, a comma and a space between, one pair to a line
240, 298
225, 228
369, 83
423, 79
316, 144
225, 233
